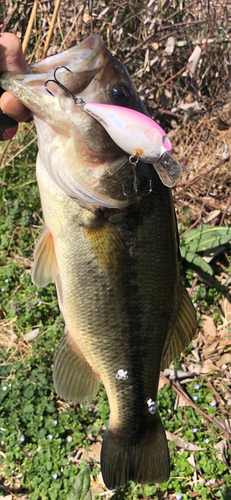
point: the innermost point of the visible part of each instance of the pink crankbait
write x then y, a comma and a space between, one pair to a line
139, 136
135, 133
132, 131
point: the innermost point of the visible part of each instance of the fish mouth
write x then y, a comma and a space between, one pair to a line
89, 166
75, 67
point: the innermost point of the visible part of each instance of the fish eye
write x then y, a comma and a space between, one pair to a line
121, 93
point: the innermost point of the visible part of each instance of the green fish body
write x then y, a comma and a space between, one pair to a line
115, 260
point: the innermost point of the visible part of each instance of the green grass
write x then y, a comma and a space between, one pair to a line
39, 434
38, 437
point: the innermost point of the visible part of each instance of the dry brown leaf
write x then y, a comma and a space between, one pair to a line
161, 384
94, 450
212, 215
98, 486
225, 359
32, 335
224, 337
182, 402
182, 443
194, 368
207, 366
194, 60
191, 461
196, 353
195, 342
222, 452
226, 307
170, 46
225, 423
209, 327
208, 350
86, 17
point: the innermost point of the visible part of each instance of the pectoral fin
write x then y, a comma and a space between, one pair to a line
184, 330
106, 245
74, 379
45, 267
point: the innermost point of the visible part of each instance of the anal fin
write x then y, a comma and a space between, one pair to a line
74, 379
45, 267
184, 331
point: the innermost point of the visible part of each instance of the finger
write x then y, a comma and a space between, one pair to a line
11, 55
14, 108
12, 59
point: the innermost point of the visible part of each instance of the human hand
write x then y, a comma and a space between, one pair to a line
11, 59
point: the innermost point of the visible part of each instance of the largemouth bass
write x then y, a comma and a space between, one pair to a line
115, 259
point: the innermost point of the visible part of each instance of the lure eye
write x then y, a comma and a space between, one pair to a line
121, 94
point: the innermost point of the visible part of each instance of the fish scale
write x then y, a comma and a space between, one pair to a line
135, 308
114, 259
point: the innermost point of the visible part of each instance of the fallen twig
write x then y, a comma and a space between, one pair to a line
193, 285
195, 494
217, 397
190, 402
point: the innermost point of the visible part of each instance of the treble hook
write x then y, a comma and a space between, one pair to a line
77, 100
133, 159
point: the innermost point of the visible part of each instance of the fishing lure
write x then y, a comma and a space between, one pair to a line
135, 133
139, 136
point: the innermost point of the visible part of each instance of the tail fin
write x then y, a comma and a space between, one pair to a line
145, 461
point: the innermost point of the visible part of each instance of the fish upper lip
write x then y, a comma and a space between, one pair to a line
87, 58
